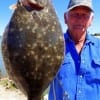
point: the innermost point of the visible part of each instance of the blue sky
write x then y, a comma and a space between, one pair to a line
60, 7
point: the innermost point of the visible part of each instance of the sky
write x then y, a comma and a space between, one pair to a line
60, 7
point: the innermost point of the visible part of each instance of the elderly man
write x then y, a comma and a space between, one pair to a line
79, 75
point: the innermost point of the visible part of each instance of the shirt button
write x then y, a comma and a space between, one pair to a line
81, 76
79, 91
66, 96
83, 61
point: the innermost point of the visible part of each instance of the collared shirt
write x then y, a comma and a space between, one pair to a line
79, 75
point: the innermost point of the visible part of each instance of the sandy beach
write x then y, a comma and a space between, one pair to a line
6, 93
9, 92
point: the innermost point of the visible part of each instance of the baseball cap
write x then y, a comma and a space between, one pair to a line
76, 3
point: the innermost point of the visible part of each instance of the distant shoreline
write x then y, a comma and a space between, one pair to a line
3, 72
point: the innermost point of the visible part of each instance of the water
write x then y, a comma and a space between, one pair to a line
2, 67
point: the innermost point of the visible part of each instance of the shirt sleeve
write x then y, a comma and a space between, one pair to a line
55, 92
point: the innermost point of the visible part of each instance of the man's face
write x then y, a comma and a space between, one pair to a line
78, 19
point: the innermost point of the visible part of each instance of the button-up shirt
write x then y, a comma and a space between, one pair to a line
78, 77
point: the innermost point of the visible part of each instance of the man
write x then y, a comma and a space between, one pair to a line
79, 75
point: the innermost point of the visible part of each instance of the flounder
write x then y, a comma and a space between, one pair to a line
33, 47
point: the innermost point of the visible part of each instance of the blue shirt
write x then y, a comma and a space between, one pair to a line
79, 75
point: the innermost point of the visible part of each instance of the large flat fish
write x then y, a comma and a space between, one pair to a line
33, 47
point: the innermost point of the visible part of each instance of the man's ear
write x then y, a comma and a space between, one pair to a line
91, 20
65, 17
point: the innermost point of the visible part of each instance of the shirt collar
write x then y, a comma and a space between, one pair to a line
89, 38
67, 36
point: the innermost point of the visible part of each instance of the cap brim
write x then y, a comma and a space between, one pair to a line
78, 6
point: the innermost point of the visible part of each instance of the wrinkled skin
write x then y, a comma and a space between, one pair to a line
32, 49
41, 3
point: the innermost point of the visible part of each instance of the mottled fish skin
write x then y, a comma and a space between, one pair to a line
33, 49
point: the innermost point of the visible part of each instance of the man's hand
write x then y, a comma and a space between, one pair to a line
25, 2
34, 4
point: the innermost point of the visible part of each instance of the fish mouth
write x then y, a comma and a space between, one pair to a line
37, 4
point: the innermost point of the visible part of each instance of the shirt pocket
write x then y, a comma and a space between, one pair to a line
96, 63
67, 68
93, 73
96, 67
